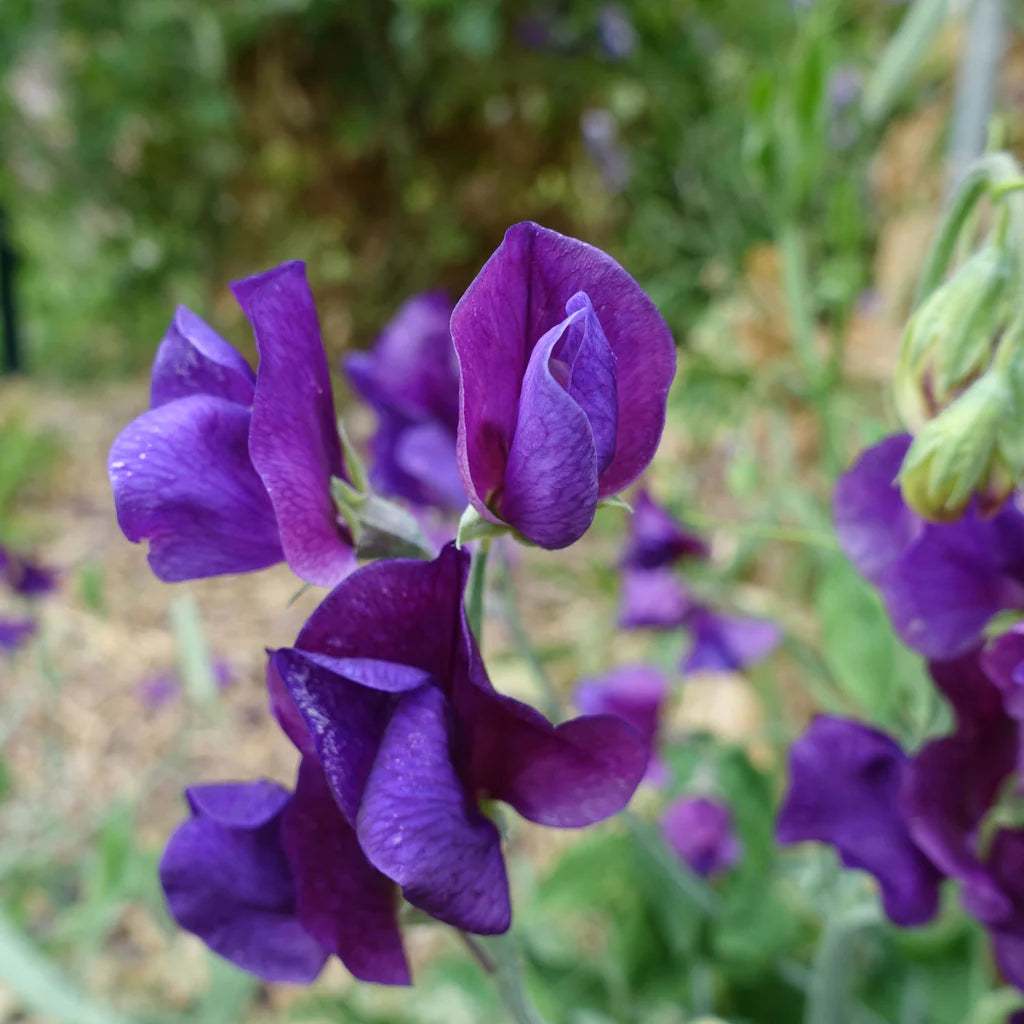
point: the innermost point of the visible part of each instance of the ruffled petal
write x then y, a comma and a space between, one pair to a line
343, 901
874, 525
294, 439
193, 359
634, 693
183, 481
845, 789
425, 454
227, 880
418, 825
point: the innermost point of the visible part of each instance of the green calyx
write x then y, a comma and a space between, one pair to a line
379, 528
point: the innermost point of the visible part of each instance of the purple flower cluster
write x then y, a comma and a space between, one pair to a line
563, 368
913, 820
654, 598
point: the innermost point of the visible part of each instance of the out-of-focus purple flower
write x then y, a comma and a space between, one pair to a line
634, 693
24, 577
411, 378
653, 599
565, 367
386, 690
14, 632
941, 582
844, 88
846, 781
616, 32
276, 882
727, 643
158, 690
699, 831
657, 539
600, 133
231, 471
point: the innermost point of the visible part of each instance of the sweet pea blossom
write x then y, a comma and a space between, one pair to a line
15, 632
727, 643
699, 831
657, 539
565, 366
912, 820
941, 582
386, 691
230, 471
411, 378
25, 577
276, 882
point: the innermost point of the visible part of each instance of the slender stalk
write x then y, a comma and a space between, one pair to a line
503, 954
794, 280
477, 583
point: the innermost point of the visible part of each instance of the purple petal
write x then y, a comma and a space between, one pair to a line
24, 577
519, 295
345, 721
183, 481
567, 776
700, 833
425, 453
193, 359
657, 539
953, 782
550, 493
634, 693
728, 643
14, 632
227, 880
343, 902
412, 370
417, 823
358, 618
845, 787
652, 599
294, 439
1006, 865
874, 525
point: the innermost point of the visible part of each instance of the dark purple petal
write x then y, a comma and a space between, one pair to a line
519, 295
342, 900
193, 359
728, 643
846, 781
294, 438
358, 618
550, 493
634, 693
874, 525
567, 776
412, 371
699, 831
652, 599
14, 632
419, 826
346, 722
953, 782
183, 481
227, 880
657, 539
24, 577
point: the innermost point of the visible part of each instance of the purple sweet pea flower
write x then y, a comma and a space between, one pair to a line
565, 366
600, 133
727, 643
411, 735
14, 632
230, 471
24, 577
411, 378
276, 883
846, 781
699, 831
653, 599
941, 582
657, 539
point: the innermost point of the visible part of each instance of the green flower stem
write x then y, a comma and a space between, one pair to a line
475, 596
499, 956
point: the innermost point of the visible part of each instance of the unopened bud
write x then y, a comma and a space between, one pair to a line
969, 449
949, 342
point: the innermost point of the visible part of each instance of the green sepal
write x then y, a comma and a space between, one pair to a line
473, 526
380, 528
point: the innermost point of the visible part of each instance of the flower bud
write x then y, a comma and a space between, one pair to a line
968, 449
950, 339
